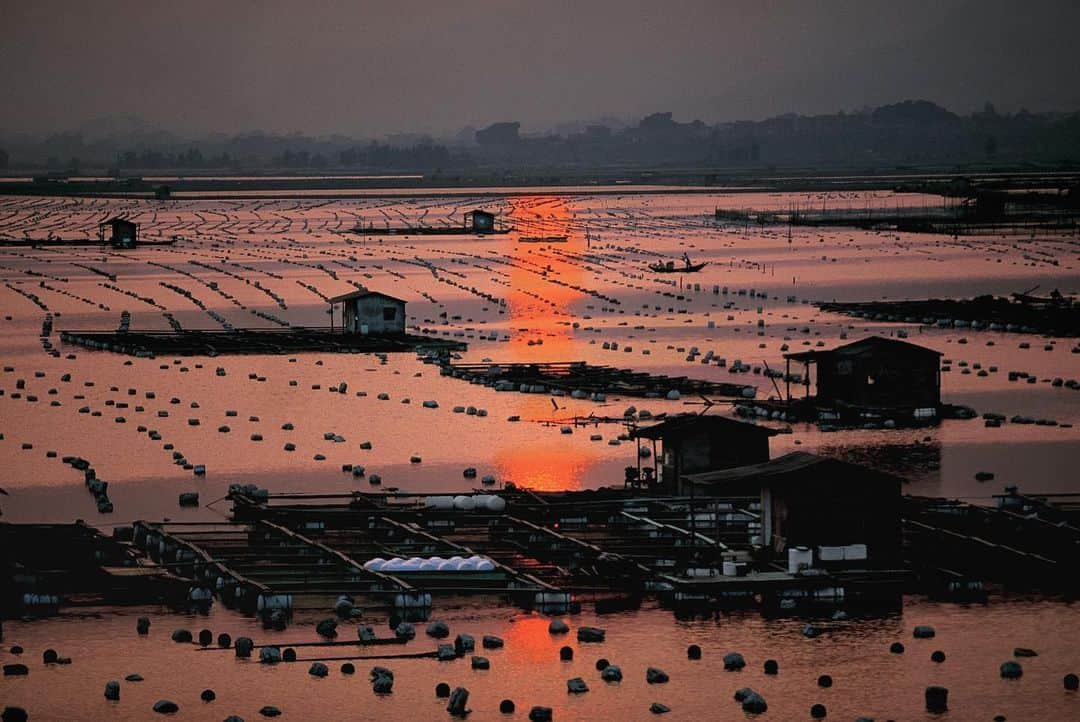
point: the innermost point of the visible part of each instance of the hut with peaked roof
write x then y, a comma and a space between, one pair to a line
369, 312
479, 221
873, 372
695, 443
123, 233
841, 511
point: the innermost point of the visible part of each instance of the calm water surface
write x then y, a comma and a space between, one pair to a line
558, 302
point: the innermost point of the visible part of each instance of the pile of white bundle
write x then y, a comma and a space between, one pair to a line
475, 563
467, 502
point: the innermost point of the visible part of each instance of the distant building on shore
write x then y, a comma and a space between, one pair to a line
370, 312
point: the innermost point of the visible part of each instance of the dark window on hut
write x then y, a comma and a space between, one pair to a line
389, 313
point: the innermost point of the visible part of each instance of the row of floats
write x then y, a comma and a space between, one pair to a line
397, 565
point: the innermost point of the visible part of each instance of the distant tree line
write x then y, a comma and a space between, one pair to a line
914, 132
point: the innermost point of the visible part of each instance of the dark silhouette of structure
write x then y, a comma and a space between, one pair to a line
694, 443
123, 233
873, 372
844, 512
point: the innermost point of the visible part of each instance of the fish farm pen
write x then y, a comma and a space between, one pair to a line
988, 213
582, 380
251, 341
542, 551
546, 551
1052, 316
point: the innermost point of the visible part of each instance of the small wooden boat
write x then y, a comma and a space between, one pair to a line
672, 267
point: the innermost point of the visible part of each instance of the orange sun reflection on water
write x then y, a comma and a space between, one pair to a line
531, 641
544, 465
537, 303
543, 309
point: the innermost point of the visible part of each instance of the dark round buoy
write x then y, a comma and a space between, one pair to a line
693, 652
289, 655
602, 664
208, 695
206, 637
1072, 682
50, 656
937, 699
818, 711
16, 649
896, 648
442, 690
224, 640
506, 706
771, 666
14, 714
566, 653
824, 681
937, 656
348, 668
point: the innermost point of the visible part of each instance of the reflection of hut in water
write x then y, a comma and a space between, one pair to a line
694, 443
874, 372
370, 312
123, 233
836, 513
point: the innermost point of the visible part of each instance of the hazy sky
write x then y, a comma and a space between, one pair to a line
366, 68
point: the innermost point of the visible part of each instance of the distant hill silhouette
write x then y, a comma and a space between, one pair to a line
909, 133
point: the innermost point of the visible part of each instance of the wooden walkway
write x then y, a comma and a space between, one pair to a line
584, 379
250, 341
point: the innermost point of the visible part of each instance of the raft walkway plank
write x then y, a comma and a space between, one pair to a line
572, 376
295, 339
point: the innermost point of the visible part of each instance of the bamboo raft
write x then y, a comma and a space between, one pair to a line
251, 341
580, 379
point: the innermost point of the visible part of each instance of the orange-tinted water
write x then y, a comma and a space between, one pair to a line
282, 244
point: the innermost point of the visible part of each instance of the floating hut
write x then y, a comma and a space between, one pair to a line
694, 443
873, 372
370, 312
123, 233
818, 510
480, 221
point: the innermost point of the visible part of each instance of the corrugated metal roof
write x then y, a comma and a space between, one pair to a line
685, 422
796, 461
856, 347
363, 293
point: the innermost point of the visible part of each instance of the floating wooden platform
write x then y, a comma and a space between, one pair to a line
424, 231
251, 341
542, 239
980, 313
76, 563
1024, 547
75, 243
579, 377
612, 545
